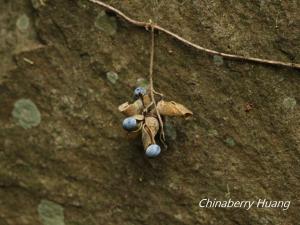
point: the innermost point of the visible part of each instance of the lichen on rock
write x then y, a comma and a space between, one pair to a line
106, 23
112, 77
26, 113
230, 141
170, 131
212, 133
289, 103
218, 60
50, 213
23, 22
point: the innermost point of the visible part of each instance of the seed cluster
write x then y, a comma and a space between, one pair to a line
143, 117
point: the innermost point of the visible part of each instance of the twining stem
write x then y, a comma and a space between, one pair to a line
159, 94
151, 89
189, 43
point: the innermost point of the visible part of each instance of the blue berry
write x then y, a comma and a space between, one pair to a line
153, 150
139, 91
130, 124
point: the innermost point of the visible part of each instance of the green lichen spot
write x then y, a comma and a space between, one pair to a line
212, 133
230, 142
82, 3
171, 132
106, 23
218, 60
23, 22
35, 4
289, 103
51, 213
141, 82
112, 77
26, 114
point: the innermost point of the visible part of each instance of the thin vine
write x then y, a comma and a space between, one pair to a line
151, 89
189, 43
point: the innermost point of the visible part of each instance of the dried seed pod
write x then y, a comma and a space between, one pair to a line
147, 100
131, 109
139, 117
173, 109
149, 130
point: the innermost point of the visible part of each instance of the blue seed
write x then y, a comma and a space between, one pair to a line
153, 150
130, 124
139, 91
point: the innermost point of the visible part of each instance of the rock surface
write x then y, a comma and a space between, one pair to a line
77, 161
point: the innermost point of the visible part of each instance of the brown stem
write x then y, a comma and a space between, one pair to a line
189, 43
162, 134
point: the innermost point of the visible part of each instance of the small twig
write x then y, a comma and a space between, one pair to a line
28, 61
157, 93
148, 107
189, 43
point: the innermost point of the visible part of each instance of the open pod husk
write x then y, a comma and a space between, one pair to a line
173, 109
146, 99
149, 130
139, 117
131, 109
